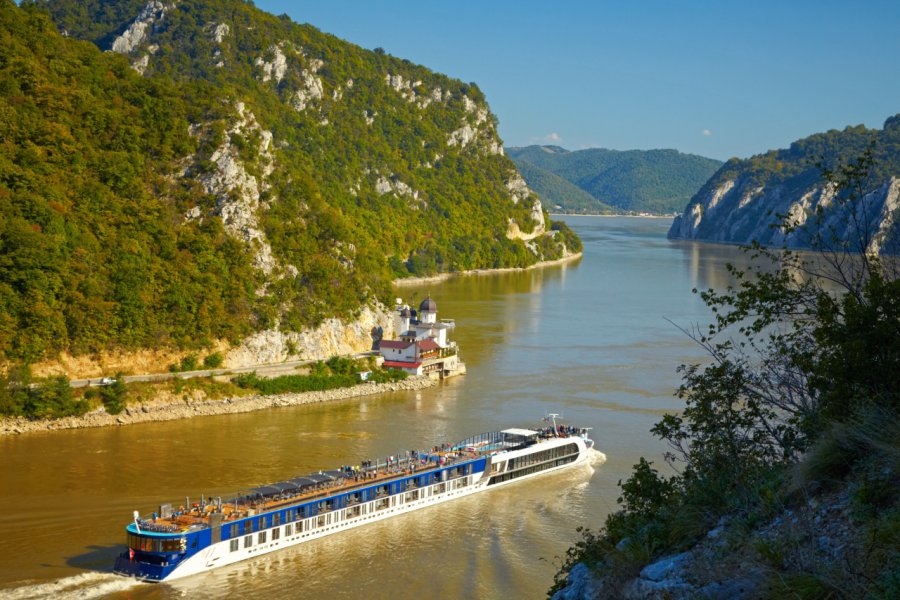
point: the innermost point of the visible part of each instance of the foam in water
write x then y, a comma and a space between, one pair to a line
83, 586
596, 458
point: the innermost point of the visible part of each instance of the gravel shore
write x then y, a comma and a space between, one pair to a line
153, 412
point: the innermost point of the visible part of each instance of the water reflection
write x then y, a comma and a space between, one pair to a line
591, 340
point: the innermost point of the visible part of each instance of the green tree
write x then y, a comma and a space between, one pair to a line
114, 395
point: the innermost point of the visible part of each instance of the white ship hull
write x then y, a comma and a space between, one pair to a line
220, 554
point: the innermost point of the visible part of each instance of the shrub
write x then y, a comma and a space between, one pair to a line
188, 363
114, 395
213, 361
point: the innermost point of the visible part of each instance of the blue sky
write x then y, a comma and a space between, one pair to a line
719, 79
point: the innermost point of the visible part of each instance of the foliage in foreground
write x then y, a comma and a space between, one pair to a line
800, 398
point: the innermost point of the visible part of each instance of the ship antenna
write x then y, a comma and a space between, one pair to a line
553, 421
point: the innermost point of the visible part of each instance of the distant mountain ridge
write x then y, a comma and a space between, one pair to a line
657, 181
746, 199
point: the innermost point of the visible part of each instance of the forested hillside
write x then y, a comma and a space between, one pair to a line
559, 194
203, 170
657, 181
748, 200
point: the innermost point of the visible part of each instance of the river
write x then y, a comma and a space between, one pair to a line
597, 341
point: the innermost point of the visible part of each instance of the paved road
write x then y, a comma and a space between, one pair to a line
263, 369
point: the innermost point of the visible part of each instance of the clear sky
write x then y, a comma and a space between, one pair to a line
719, 79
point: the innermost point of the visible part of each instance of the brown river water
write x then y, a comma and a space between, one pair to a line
596, 341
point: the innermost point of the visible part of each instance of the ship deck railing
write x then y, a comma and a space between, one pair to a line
239, 508
198, 516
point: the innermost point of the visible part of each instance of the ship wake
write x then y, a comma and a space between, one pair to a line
83, 586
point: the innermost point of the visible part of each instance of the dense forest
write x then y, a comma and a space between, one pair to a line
222, 171
656, 181
560, 194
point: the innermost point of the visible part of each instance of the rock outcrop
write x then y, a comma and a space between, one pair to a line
781, 198
332, 338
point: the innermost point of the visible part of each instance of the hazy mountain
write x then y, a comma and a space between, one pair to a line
658, 181
559, 194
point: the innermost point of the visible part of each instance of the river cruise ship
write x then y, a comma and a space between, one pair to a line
178, 541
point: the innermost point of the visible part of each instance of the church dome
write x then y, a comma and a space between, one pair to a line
428, 305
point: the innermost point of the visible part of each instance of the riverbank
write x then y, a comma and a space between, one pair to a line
411, 281
158, 411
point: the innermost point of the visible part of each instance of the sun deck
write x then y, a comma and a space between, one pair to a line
322, 485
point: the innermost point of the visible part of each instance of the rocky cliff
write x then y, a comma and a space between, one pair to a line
210, 173
781, 199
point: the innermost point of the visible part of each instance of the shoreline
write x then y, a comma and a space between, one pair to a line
155, 413
412, 281
612, 215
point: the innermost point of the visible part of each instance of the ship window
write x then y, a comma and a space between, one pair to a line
250, 526
248, 541
172, 545
262, 537
288, 529
233, 531
234, 545
276, 533
276, 519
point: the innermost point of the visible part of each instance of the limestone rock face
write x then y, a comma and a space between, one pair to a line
131, 38
520, 192
274, 68
741, 211
237, 191
333, 337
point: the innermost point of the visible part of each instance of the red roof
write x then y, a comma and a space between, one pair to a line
397, 364
395, 344
427, 344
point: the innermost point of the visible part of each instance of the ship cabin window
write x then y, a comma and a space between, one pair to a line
262, 537
250, 526
321, 521
248, 541
276, 519
290, 515
235, 544
276, 533
233, 530
288, 530
147, 544
352, 499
